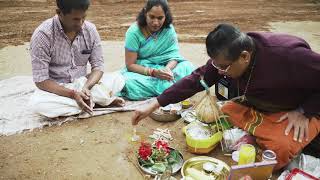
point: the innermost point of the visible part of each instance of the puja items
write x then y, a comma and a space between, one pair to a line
155, 158
234, 138
135, 137
204, 168
297, 174
189, 116
207, 110
307, 163
231, 137
247, 154
167, 113
201, 138
186, 104
268, 155
162, 134
256, 171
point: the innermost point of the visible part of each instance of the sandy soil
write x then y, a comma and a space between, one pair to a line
192, 18
99, 148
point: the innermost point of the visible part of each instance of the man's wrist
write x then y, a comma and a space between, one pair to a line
86, 87
155, 104
72, 94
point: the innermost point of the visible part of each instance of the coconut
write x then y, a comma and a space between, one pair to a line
207, 110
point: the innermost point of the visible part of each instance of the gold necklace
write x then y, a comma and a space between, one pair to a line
243, 98
154, 36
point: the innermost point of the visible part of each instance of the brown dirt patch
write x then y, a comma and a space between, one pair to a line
193, 19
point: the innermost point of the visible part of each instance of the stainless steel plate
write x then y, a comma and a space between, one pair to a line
175, 167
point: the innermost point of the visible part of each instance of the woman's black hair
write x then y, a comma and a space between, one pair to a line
67, 5
141, 18
229, 41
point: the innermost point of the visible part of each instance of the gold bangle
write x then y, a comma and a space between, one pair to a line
145, 71
149, 71
152, 72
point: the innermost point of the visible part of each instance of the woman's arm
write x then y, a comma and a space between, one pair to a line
172, 64
131, 58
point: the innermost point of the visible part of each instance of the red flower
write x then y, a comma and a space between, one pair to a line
145, 150
162, 145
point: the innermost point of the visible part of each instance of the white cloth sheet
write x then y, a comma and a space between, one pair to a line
17, 116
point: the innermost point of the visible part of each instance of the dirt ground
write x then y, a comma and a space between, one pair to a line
192, 18
99, 148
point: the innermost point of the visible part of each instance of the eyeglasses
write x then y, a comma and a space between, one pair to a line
222, 69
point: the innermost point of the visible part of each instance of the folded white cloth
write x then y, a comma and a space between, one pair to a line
52, 105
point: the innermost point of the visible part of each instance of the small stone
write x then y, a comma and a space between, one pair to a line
81, 141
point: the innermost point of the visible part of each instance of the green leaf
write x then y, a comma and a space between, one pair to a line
145, 163
173, 157
224, 122
159, 167
152, 161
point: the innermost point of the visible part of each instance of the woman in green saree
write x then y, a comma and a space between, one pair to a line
153, 62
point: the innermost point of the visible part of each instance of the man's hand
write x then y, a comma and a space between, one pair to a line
165, 74
299, 123
86, 91
84, 101
143, 113
82, 98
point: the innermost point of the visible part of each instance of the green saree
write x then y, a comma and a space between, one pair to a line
154, 52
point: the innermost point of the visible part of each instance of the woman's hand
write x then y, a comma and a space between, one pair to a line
165, 74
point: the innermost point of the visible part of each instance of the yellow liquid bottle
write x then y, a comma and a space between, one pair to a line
247, 154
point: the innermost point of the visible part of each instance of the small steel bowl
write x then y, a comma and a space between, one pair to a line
162, 116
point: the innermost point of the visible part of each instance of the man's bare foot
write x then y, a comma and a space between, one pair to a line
119, 102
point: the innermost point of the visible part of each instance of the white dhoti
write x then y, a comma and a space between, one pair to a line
52, 105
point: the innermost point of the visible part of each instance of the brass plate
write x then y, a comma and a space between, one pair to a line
197, 163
